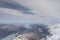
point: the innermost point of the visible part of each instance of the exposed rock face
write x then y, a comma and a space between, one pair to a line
27, 36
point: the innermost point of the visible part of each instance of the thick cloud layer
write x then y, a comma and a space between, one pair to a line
30, 11
47, 8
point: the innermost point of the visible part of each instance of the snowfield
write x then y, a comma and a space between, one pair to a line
55, 31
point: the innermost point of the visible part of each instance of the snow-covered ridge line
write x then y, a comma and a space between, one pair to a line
55, 31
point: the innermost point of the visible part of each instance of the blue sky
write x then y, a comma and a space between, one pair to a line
29, 11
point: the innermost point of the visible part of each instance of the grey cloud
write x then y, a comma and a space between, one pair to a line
14, 5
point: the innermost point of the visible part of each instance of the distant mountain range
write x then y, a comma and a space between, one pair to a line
8, 29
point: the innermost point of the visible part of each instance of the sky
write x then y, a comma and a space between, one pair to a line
30, 11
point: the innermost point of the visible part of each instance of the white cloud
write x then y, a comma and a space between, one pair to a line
10, 11
45, 11
20, 17
47, 8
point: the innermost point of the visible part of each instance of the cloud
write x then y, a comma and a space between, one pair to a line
10, 11
46, 8
14, 5
11, 15
44, 11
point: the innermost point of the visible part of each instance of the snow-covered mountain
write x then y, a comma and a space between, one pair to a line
52, 31
6, 29
55, 31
